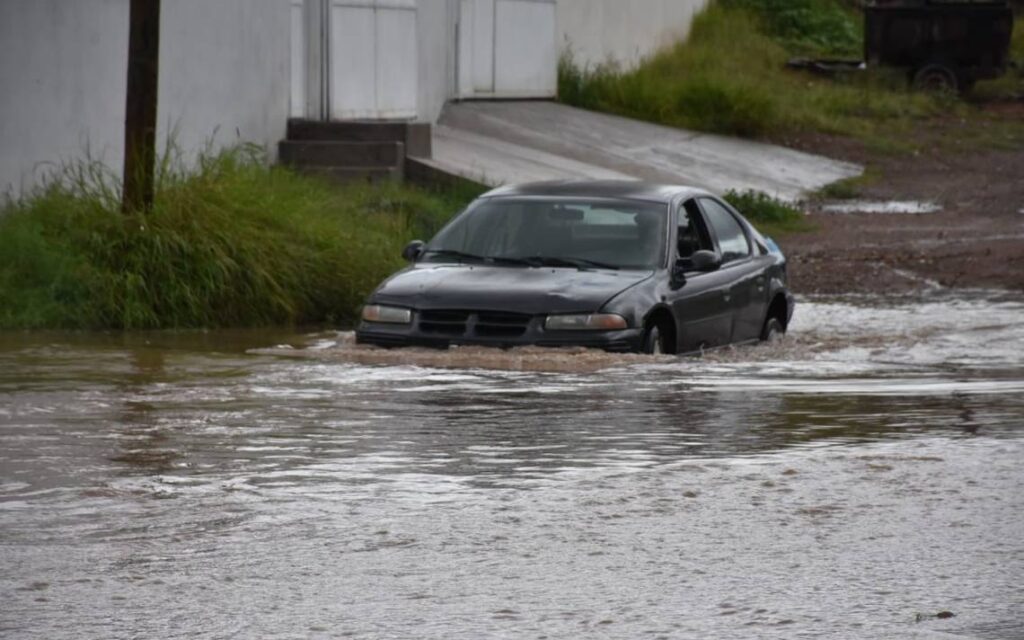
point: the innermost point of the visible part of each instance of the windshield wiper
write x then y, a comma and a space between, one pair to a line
554, 261
595, 263
453, 253
512, 260
531, 261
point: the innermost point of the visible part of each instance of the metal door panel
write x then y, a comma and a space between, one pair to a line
507, 49
397, 67
297, 62
524, 48
353, 61
373, 59
480, 29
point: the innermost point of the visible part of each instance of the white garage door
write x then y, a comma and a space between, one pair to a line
354, 59
373, 59
507, 49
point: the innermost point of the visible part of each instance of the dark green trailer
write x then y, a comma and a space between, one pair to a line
941, 44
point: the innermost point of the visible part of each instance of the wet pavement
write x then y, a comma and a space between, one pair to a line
498, 142
855, 480
861, 206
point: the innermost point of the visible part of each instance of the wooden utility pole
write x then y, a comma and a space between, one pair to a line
140, 106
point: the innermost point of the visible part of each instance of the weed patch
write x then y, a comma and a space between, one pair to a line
229, 242
730, 77
770, 215
811, 27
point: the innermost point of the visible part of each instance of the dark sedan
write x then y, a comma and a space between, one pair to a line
621, 266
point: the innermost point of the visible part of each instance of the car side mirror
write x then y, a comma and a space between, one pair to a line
705, 260
413, 250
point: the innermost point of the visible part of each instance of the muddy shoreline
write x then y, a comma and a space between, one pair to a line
976, 240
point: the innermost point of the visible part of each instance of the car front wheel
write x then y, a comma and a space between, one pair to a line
773, 330
653, 342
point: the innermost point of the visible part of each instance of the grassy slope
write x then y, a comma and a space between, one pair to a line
730, 77
232, 243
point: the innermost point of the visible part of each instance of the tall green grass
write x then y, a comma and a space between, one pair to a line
811, 27
229, 242
730, 77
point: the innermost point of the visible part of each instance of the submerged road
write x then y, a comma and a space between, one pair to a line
854, 481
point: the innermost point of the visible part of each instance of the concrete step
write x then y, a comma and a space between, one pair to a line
429, 173
341, 154
415, 135
347, 131
347, 175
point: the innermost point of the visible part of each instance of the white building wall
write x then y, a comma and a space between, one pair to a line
234, 70
62, 85
225, 72
224, 77
600, 31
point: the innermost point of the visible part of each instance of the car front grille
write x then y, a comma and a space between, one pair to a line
501, 324
446, 323
487, 324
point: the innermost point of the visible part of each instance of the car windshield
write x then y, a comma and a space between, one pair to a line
614, 234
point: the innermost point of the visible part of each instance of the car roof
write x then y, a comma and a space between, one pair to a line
626, 189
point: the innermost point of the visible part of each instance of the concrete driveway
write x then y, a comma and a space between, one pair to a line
520, 141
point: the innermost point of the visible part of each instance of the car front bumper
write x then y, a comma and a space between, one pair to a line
423, 334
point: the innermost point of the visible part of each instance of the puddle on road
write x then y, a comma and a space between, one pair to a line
851, 481
861, 206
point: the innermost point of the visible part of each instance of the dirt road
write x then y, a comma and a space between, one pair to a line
975, 240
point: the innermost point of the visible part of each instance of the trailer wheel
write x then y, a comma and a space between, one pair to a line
936, 78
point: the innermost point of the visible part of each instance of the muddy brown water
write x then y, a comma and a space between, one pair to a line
853, 481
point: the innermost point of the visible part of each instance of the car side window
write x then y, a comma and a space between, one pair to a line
732, 240
691, 236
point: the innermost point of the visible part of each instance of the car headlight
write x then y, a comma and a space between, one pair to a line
389, 315
585, 322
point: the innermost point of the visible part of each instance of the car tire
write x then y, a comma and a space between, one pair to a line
653, 344
773, 330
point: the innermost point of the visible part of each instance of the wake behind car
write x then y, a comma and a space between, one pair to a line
616, 265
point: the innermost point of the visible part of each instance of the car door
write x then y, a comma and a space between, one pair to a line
742, 274
701, 306
750, 321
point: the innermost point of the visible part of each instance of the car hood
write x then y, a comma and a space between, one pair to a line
516, 289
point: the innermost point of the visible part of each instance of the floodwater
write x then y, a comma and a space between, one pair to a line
854, 481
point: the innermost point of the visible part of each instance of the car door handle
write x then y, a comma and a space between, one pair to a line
726, 296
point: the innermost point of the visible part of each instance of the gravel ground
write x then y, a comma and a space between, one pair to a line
975, 241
